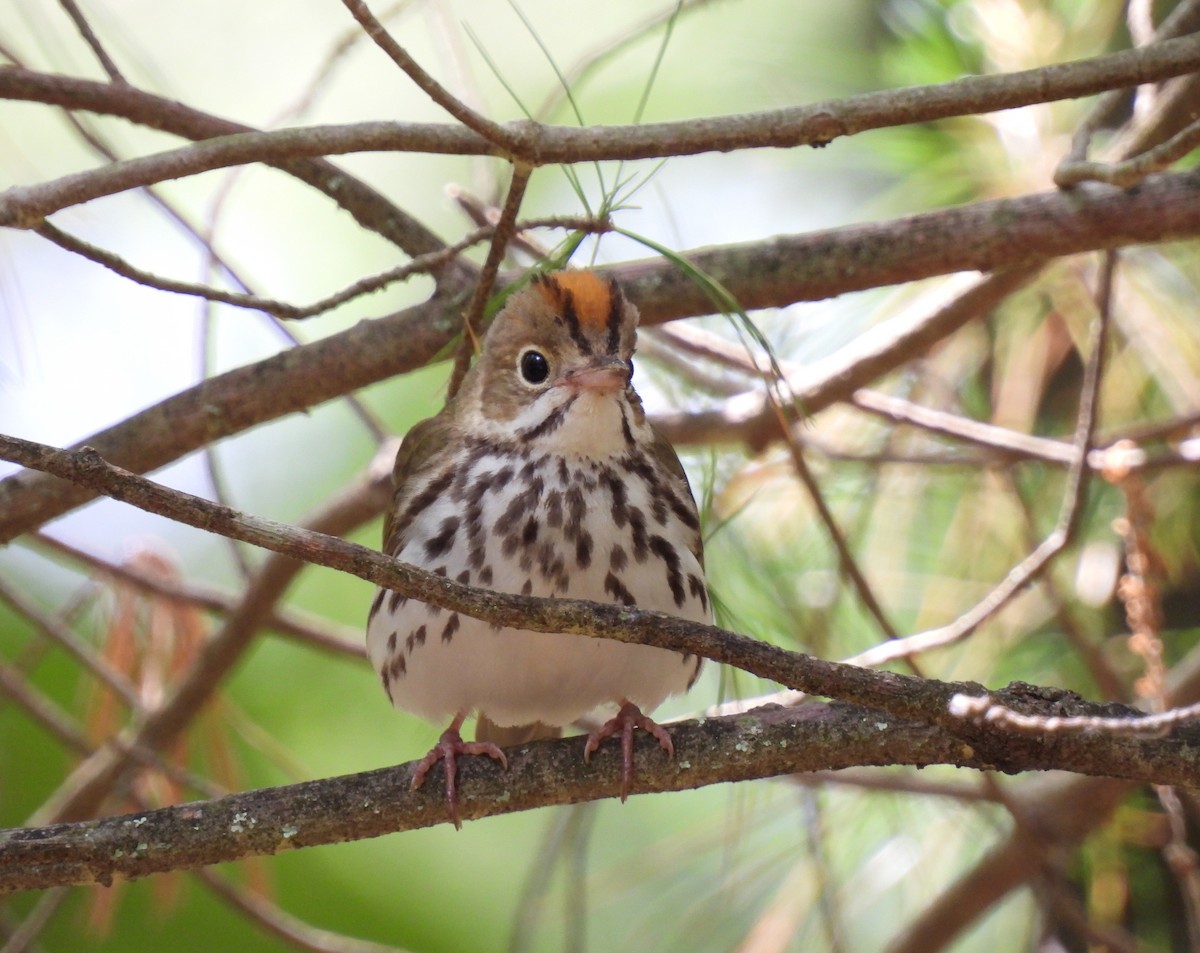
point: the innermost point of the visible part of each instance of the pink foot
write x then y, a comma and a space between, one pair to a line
624, 721
449, 747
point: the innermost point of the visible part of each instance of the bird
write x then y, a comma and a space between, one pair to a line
541, 476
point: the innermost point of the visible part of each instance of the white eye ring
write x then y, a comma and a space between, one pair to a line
534, 367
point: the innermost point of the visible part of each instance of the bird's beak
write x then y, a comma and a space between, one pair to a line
603, 377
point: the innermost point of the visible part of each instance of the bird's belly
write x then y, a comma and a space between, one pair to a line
577, 537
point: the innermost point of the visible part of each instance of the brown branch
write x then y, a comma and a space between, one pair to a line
273, 919
84, 790
532, 144
491, 131
93, 42
847, 563
765, 743
473, 314
899, 696
1078, 475
421, 264
1131, 171
367, 206
306, 629
903, 696
772, 273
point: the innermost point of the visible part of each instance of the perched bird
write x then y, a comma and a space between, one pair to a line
541, 476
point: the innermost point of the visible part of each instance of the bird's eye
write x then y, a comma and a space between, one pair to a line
534, 366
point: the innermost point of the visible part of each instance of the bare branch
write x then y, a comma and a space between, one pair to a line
765, 743
472, 316
368, 207
1035, 563
421, 264
1130, 172
93, 42
532, 144
306, 629
491, 131
984, 236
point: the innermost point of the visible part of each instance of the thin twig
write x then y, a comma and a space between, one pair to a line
502, 136
818, 124
277, 922
1132, 171
42, 710
315, 631
35, 921
79, 650
1064, 530
1090, 652
579, 71
81, 794
322, 76
420, 265
93, 42
473, 314
847, 563
1181, 860
485, 215
982, 709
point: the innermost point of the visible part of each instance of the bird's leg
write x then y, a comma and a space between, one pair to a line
624, 721
449, 746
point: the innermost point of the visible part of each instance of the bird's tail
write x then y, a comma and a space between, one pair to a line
505, 736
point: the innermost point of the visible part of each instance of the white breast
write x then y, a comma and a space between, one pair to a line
569, 527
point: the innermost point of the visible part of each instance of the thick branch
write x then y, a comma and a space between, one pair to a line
899, 695
773, 273
764, 743
534, 144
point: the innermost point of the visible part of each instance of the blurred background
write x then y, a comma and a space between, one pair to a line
838, 863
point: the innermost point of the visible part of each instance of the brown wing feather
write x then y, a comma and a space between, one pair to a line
417, 450
663, 453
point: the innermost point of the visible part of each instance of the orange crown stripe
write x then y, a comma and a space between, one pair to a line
590, 294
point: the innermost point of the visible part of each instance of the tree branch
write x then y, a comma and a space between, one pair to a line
369, 207
534, 144
899, 696
773, 273
764, 743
